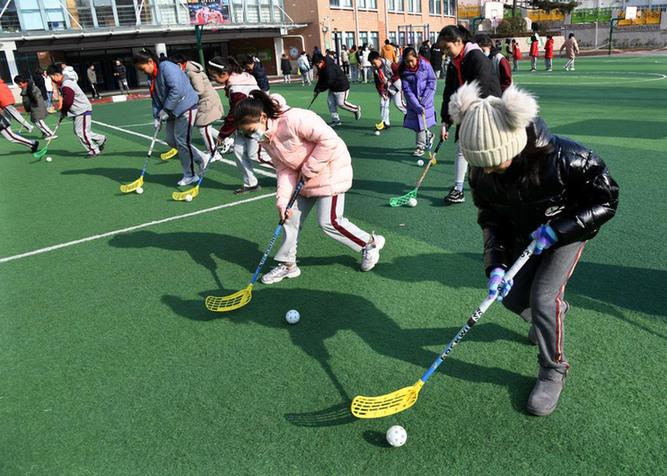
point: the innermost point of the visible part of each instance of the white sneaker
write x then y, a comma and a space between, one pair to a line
419, 152
187, 180
281, 272
370, 255
216, 157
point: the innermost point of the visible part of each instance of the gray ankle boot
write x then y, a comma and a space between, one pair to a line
546, 392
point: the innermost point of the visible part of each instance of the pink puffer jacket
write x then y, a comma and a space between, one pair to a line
301, 142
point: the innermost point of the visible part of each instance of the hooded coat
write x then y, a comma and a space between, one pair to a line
209, 107
33, 102
418, 92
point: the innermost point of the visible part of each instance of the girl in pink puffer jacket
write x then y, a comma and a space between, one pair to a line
302, 146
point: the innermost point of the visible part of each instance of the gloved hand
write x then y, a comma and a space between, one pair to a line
157, 123
163, 115
545, 237
498, 286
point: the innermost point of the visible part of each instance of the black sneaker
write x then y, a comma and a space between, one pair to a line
104, 142
244, 189
454, 196
386, 126
34, 147
335, 123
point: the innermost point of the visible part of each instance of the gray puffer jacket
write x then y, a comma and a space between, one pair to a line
33, 102
209, 108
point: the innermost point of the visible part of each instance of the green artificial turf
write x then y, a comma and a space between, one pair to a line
109, 363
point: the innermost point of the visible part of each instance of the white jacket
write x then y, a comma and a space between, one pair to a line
303, 64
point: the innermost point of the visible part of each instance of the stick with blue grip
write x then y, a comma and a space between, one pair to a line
243, 297
395, 402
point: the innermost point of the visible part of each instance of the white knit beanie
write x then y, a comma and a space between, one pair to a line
492, 130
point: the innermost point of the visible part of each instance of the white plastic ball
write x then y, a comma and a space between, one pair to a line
412, 202
420, 162
139, 190
188, 198
397, 436
377, 133
292, 316
49, 159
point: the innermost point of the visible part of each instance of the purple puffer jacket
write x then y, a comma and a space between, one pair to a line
418, 90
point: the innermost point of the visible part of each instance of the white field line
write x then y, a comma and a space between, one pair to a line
132, 228
160, 141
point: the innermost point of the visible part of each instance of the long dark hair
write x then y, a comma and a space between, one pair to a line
452, 33
144, 56
251, 108
407, 51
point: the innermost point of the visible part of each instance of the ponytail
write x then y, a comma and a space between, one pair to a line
452, 33
144, 56
251, 108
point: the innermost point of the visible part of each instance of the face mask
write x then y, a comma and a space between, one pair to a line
258, 134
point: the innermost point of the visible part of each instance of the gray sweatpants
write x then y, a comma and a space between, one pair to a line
537, 296
245, 151
178, 133
12, 113
329, 217
335, 100
89, 139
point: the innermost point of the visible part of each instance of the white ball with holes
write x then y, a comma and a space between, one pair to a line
412, 202
188, 198
377, 133
49, 159
420, 162
397, 436
139, 190
292, 316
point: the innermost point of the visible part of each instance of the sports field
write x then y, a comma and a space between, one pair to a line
110, 364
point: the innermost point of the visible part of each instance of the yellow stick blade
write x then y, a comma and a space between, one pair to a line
385, 405
131, 187
379, 126
181, 196
231, 302
169, 154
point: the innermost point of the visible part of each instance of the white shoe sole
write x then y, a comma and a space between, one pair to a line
379, 242
294, 274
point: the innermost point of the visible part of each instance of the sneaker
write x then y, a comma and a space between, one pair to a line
51, 137
216, 157
533, 70
454, 196
34, 146
357, 113
29, 129
370, 255
281, 272
387, 126
104, 142
419, 152
187, 180
335, 123
543, 399
571, 69
244, 189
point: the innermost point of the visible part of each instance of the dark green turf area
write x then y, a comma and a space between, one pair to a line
109, 363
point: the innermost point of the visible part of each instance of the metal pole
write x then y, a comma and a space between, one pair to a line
611, 32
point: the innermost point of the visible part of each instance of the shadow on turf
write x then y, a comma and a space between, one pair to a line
127, 175
326, 313
202, 247
614, 128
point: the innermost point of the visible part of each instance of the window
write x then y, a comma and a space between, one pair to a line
449, 7
396, 5
435, 7
367, 4
363, 37
433, 37
340, 3
349, 39
419, 39
414, 6
392, 37
374, 40
401, 38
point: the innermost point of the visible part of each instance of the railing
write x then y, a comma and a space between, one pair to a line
591, 15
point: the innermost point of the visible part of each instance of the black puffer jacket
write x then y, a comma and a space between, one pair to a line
331, 77
260, 76
554, 180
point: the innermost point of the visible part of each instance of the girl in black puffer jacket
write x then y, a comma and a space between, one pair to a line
529, 184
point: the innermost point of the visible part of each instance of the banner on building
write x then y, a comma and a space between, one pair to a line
209, 12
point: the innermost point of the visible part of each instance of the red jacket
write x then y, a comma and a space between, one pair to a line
549, 48
6, 96
534, 48
516, 52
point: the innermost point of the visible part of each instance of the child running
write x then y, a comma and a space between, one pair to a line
7, 99
8, 109
388, 85
531, 185
209, 107
75, 104
33, 103
174, 103
302, 146
419, 84
331, 77
571, 48
238, 85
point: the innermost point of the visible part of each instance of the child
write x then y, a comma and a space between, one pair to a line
571, 48
354, 64
516, 55
75, 104
388, 85
330, 76
238, 85
174, 103
33, 103
468, 64
286, 68
534, 53
419, 83
302, 146
304, 68
8, 109
500, 64
209, 107
529, 184
7, 99
549, 53
255, 67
